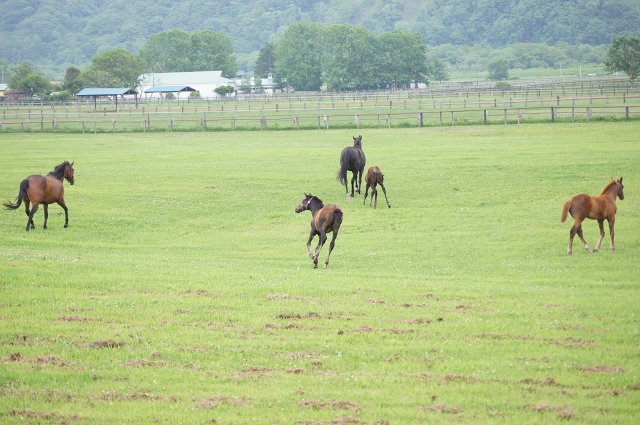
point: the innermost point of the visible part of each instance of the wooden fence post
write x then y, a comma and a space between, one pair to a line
485, 116
295, 122
452, 119
233, 122
144, 125
626, 114
420, 119
389, 120
326, 121
358, 121
505, 115
113, 124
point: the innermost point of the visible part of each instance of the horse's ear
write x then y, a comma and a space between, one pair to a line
72, 163
620, 179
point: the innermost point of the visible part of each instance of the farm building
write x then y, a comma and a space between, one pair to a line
204, 82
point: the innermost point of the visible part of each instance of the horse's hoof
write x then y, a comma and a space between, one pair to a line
389, 205
66, 225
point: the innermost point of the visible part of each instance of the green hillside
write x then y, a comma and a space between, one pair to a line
70, 33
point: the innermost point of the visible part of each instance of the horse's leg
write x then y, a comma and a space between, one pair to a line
46, 215
313, 233
366, 192
30, 221
385, 194
27, 211
359, 181
375, 192
323, 239
611, 223
333, 243
579, 232
66, 211
601, 225
354, 180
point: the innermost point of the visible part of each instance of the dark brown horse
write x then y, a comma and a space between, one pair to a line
45, 190
596, 208
352, 159
325, 219
373, 178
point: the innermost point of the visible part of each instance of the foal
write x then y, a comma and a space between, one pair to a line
325, 219
373, 178
596, 208
44, 190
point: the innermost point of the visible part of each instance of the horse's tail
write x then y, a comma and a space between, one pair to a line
342, 174
24, 185
337, 217
565, 210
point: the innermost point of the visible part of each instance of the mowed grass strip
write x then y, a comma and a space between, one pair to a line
182, 290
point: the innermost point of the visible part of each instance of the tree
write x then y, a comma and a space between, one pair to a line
212, 51
498, 69
224, 90
257, 85
114, 68
245, 85
178, 51
168, 51
403, 58
23, 78
300, 55
437, 69
351, 58
266, 62
624, 55
72, 82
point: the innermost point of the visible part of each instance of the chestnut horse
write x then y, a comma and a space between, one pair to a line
352, 159
45, 190
373, 178
596, 208
325, 219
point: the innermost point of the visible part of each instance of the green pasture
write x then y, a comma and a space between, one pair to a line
181, 292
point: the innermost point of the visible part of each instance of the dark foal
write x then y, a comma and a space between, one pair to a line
373, 178
44, 190
352, 159
598, 208
325, 219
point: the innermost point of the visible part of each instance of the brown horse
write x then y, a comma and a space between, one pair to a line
352, 159
373, 178
45, 190
325, 219
596, 208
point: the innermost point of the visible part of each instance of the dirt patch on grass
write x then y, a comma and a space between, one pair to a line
330, 404
276, 297
75, 318
444, 378
549, 382
599, 369
214, 402
103, 343
375, 301
137, 396
343, 420
442, 408
32, 414
564, 412
41, 360
198, 292
145, 363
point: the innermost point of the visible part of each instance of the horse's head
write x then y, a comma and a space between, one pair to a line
621, 191
357, 142
304, 205
68, 173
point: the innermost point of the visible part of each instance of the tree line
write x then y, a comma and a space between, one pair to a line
308, 57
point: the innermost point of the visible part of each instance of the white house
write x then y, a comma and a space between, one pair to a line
203, 81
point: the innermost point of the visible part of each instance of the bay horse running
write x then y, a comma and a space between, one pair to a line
596, 208
44, 190
352, 159
373, 178
325, 219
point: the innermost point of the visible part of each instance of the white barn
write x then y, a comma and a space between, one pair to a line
203, 81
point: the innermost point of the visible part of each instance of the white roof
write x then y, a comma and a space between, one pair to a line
184, 78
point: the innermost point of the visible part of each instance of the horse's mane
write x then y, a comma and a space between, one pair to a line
318, 199
58, 172
607, 187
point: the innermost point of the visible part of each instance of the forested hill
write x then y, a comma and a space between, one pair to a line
73, 31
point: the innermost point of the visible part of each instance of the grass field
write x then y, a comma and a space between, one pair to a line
182, 291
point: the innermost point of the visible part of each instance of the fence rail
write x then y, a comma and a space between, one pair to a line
320, 119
